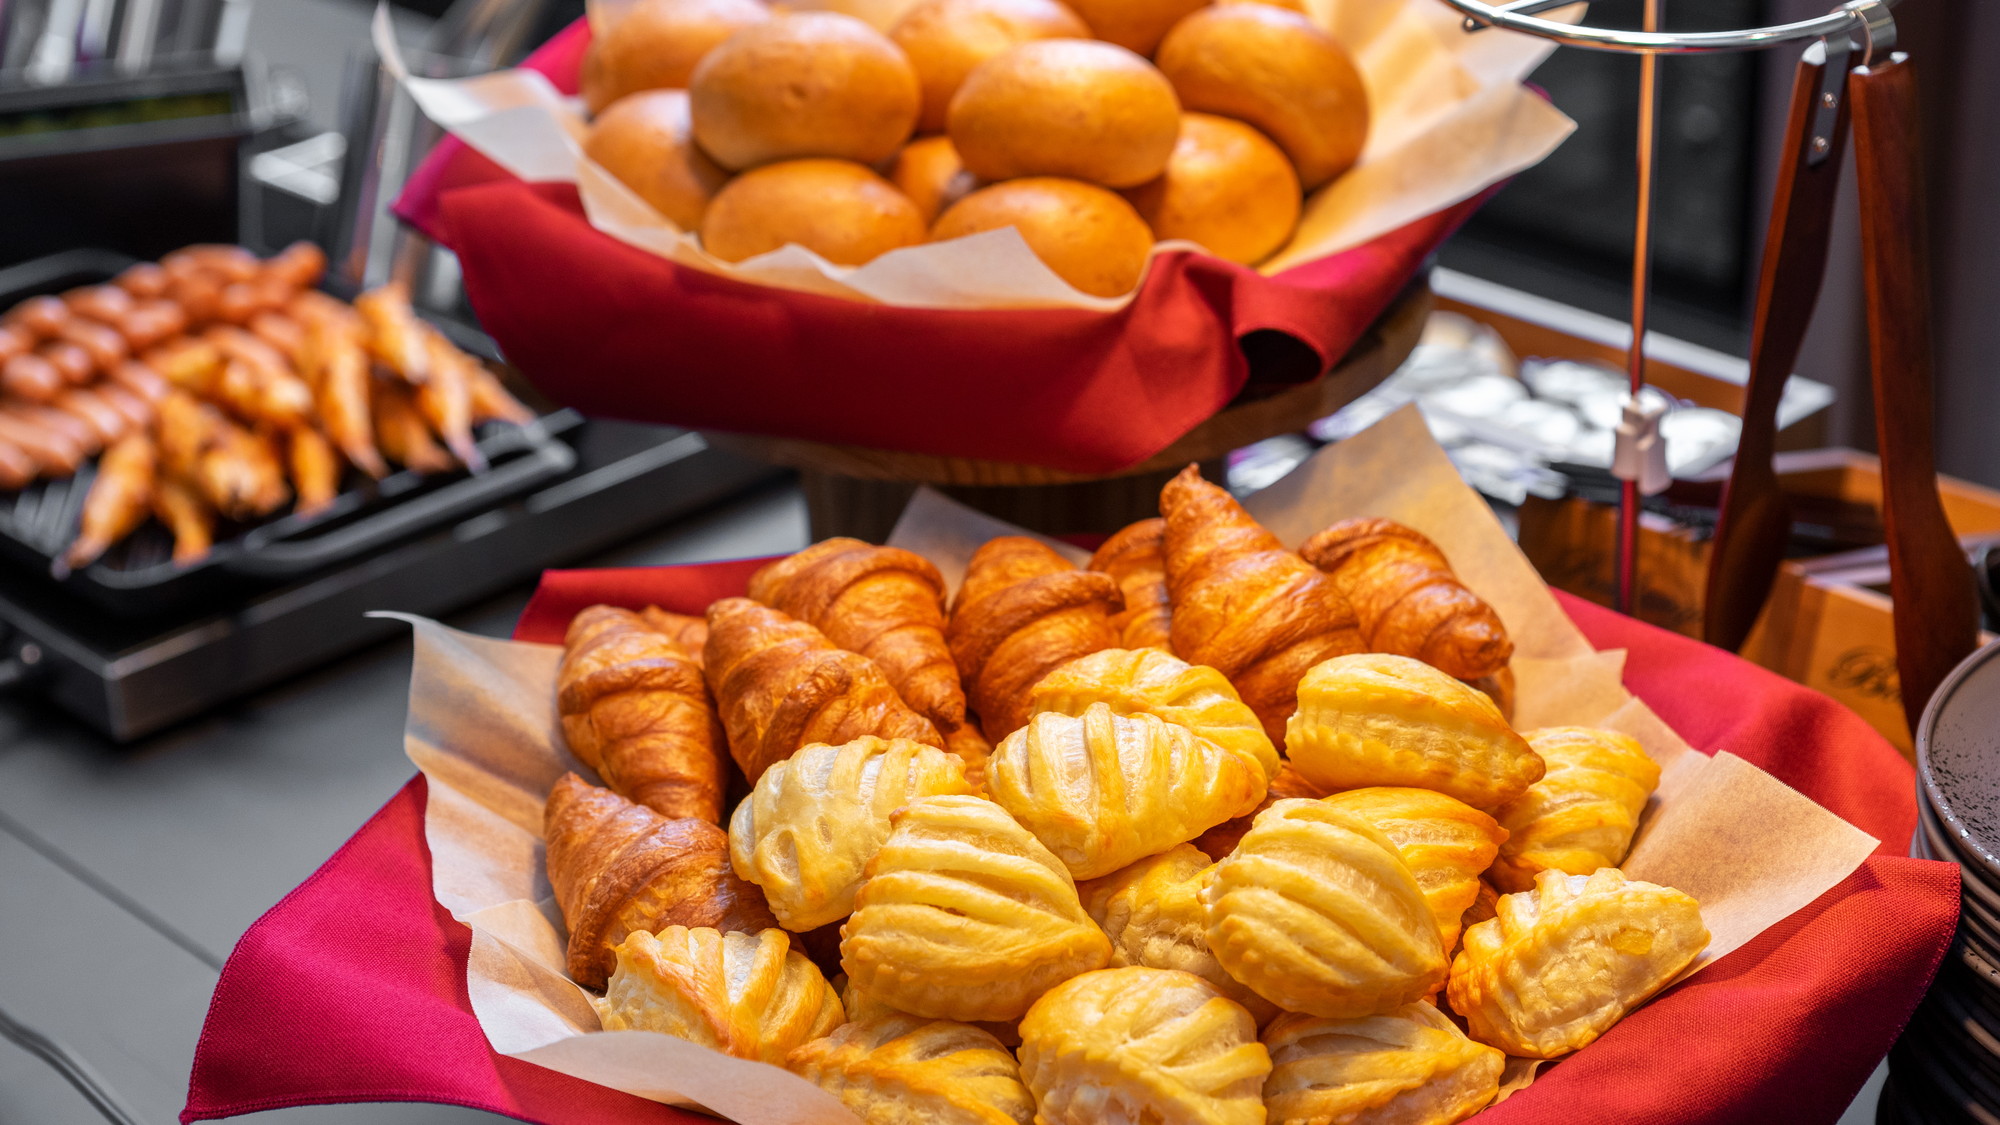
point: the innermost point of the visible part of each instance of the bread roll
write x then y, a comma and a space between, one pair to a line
807, 84
1090, 237
1278, 71
1066, 107
644, 140
929, 171
655, 45
838, 209
945, 39
1227, 187
1136, 25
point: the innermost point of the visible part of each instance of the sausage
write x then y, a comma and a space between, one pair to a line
106, 348
17, 468
197, 294
71, 361
14, 342
40, 317
233, 263
30, 378
104, 303
298, 266
150, 322
74, 429
137, 411
238, 302
138, 376
54, 453
281, 332
145, 281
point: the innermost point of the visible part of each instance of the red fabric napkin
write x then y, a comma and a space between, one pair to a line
617, 332
353, 988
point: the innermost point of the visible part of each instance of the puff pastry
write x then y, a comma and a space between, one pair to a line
1316, 912
1022, 610
1104, 789
1564, 962
1155, 682
1153, 914
896, 1069
965, 916
1139, 1046
691, 633
635, 710
1407, 598
1136, 557
861, 1006
1411, 1066
1222, 839
748, 995
1377, 719
1445, 842
1581, 815
814, 820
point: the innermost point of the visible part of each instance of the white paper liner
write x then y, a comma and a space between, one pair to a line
482, 729
1449, 119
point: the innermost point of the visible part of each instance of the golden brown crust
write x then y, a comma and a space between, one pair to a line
617, 867
691, 633
635, 710
1065, 107
750, 995
945, 39
804, 84
1136, 556
1407, 598
1022, 611
883, 602
781, 685
837, 209
643, 139
1226, 187
1245, 606
1222, 839
1089, 236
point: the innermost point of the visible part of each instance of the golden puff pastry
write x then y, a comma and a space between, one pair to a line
814, 820
1411, 1066
1153, 914
1103, 789
1565, 961
1581, 815
1155, 682
749, 995
1139, 1046
896, 1069
861, 1006
965, 916
1445, 842
1376, 719
1316, 911
1220, 840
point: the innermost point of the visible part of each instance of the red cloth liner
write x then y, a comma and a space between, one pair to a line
353, 988
616, 331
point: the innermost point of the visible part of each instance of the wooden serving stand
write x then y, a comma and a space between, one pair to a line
858, 491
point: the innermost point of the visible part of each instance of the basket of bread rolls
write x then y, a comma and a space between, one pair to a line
869, 226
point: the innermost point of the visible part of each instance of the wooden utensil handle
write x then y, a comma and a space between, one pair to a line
1936, 605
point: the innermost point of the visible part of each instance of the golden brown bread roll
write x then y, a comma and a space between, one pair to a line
1136, 25
1066, 107
1226, 187
1137, 557
634, 709
804, 84
644, 140
1090, 237
929, 171
1278, 71
838, 209
1022, 611
945, 39
655, 44
1407, 598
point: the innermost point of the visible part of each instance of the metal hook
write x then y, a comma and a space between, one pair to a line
1877, 27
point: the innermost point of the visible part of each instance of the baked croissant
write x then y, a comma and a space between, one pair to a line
883, 602
813, 821
965, 916
1154, 682
1142, 1045
635, 710
1581, 815
1137, 558
780, 685
897, 1069
1407, 598
1317, 912
1153, 914
748, 995
1023, 610
1244, 605
691, 633
1102, 790
1410, 1066
1564, 962
1377, 719
1222, 839
1444, 842
617, 867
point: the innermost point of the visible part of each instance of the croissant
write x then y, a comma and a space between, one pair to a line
780, 685
1153, 914
1222, 839
748, 995
1407, 598
1101, 790
1244, 605
894, 1069
1445, 842
691, 633
1023, 610
1155, 682
1581, 815
618, 867
635, 710
883, 602
1410, 1066
1140, 1046
1136, 557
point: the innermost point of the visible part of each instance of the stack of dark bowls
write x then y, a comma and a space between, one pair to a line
1946, 1067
